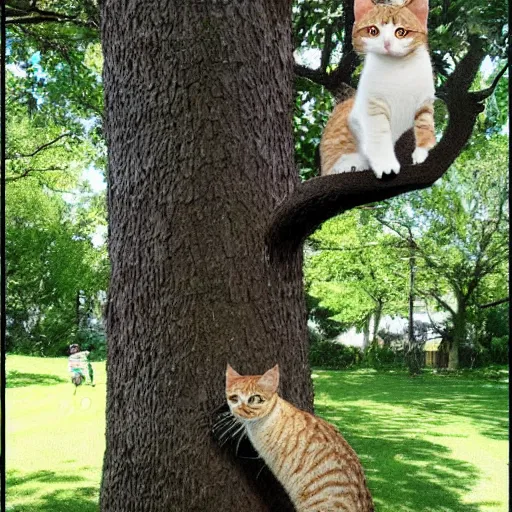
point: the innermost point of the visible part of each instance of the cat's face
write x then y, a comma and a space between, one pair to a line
251, 397
394, 30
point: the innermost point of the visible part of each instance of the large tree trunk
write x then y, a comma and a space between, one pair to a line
366, 332
459, 336
199, 129
377, 315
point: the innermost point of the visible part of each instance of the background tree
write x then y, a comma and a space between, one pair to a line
459, 229
55, 261
357, 271
51, 263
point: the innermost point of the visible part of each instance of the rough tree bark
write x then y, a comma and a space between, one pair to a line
198, 124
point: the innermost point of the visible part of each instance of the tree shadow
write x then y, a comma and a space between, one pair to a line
483, 404
405, 473
84, 499
386, 419
17, 379
14, 478
79, 498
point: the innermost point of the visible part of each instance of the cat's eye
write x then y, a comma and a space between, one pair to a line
373, 31
255, 399
401, 32
233, 398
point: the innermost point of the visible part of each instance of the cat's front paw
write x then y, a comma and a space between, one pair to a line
419, 155
386, 166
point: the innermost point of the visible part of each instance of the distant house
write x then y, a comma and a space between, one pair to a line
435, 356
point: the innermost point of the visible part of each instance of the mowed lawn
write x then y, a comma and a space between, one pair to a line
428, 444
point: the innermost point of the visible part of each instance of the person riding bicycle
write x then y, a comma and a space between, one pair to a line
79, 366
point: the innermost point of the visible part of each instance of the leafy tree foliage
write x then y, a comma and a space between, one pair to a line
459, 231
54, 107
51, 262
357, 271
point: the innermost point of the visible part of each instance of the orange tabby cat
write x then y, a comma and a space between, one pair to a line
395, 91
313, 462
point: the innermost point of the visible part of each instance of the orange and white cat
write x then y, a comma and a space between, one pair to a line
311, 459
395, 92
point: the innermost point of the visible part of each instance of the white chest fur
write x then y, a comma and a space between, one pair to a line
403, 84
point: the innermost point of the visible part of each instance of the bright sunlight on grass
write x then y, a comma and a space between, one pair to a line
429, 444
55, 440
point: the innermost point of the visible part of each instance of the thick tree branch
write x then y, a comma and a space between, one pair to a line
337, 81
321, 198
434, 295
334, 82
495, 303
436, 327
315, 75
464, 74
327, 49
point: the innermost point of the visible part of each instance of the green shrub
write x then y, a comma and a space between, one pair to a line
333, 356
379, 357
95, 342
499, 350
480, 356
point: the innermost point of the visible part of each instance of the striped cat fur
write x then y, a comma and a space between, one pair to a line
314, 463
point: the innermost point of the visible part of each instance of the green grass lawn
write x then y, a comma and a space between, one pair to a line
432, 443
55, 440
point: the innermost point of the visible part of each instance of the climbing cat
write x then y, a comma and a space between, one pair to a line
395, 92
313, 462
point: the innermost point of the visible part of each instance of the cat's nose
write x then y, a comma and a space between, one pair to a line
387, 45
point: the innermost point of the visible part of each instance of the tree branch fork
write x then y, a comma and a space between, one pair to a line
318, 199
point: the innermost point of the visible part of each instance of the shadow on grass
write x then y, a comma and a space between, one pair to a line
431, 398
83, 499
79, 498
405, 473
387, 421
17, 379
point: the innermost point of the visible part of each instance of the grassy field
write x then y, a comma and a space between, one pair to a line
429, 444
55, 440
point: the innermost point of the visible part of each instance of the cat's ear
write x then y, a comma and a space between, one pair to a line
361, 7
230, 375
420, 9
269, 381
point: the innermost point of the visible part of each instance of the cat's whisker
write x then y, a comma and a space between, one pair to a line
242, 435
235, 432
222, 432
259, 472
228, 430
223, 415
231, 434
223, 422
